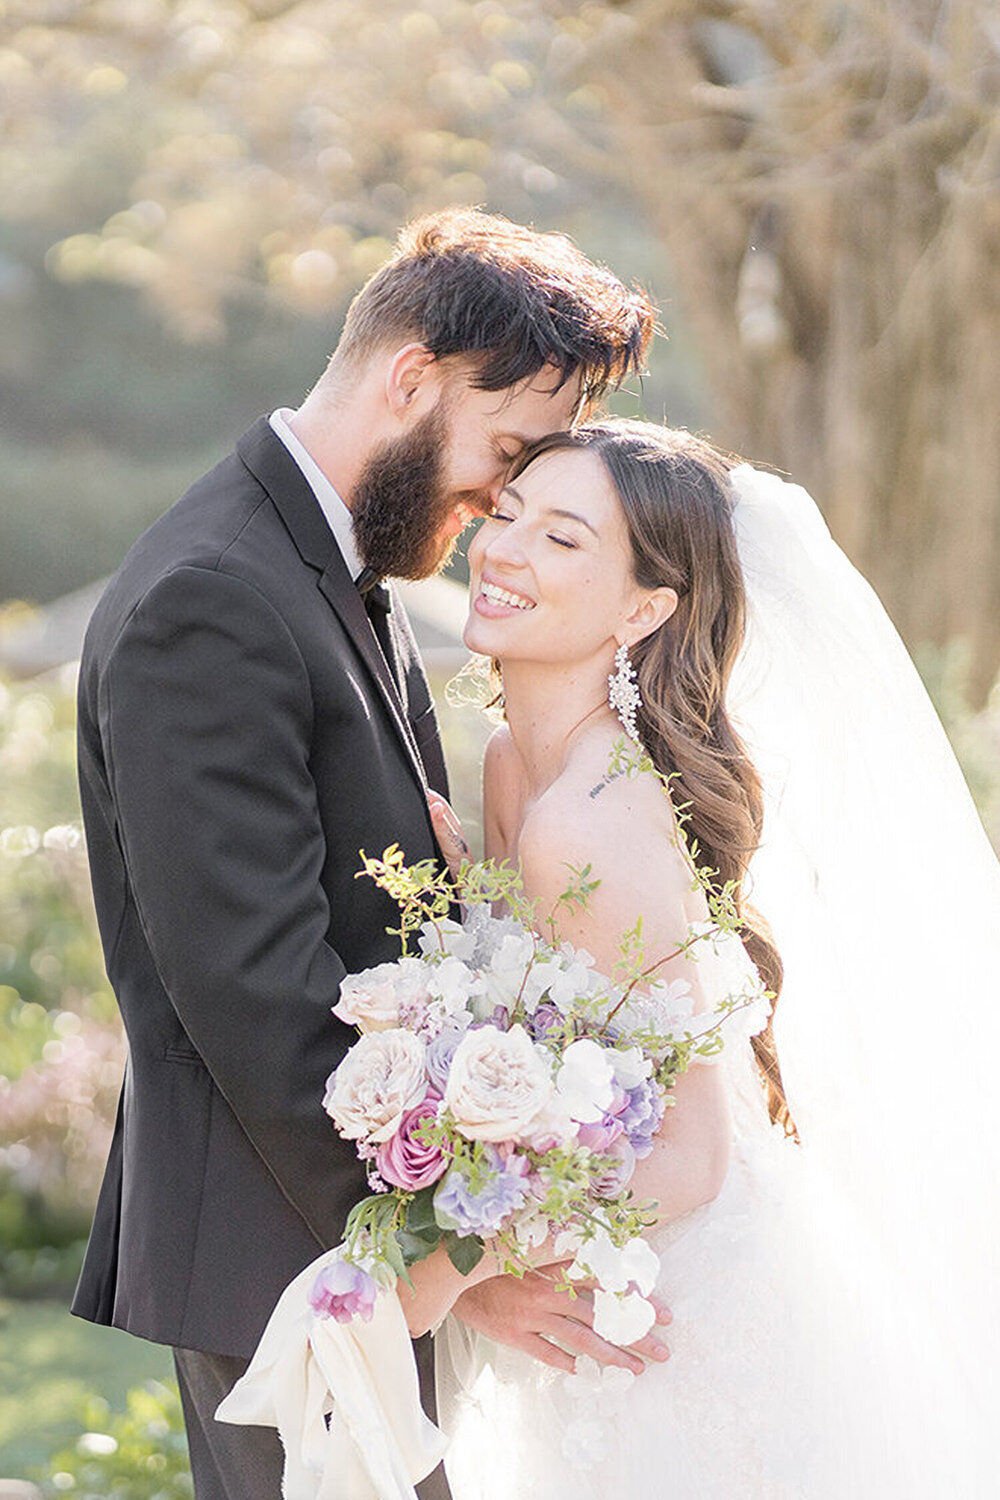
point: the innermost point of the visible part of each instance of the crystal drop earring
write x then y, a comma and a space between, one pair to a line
623, 692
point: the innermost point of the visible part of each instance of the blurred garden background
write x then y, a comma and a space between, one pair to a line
190, 191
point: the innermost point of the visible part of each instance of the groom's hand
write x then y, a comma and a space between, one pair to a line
533, 1315
448, 831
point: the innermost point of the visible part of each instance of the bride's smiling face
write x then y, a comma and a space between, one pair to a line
551, 569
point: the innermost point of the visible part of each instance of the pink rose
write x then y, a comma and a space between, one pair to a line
404, 1160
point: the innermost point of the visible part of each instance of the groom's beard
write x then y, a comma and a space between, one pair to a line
401, 504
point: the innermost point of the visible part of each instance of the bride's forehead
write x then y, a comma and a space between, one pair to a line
565, 473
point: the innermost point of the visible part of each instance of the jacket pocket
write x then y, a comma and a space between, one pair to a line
183, 1055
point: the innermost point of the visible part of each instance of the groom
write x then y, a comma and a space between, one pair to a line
252, 713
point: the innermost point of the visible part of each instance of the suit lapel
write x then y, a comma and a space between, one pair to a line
338, 587
272, 465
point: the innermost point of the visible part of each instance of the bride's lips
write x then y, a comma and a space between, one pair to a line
494, 601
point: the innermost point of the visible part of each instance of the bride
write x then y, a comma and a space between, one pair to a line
826, 1195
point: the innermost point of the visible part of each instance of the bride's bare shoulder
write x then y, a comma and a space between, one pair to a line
623, 827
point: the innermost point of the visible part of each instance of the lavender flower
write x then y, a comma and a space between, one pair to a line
503, 1189
641, 1116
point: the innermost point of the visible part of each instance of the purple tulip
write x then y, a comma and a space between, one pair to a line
343, 1291
600, 1135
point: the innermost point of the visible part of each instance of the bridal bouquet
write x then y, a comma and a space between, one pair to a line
502, 1090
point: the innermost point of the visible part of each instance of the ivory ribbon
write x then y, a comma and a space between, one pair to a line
378, 1442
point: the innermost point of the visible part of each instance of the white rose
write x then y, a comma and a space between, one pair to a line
378, 1081
552, 1126
585, 1080
497, 1085
372, 999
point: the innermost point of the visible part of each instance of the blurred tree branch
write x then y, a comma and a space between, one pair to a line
827, 181
824, 177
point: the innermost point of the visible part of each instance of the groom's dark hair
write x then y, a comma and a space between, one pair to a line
509, 299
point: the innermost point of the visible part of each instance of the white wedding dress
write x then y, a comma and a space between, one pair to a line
836, 1332
800, 1370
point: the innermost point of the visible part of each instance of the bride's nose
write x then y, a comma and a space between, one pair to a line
506, 546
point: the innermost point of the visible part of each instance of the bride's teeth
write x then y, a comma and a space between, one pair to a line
498, 595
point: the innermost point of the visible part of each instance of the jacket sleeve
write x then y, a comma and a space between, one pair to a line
206, 717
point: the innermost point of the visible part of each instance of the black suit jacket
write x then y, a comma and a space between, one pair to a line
241, 738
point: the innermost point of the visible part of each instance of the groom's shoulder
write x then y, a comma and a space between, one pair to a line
223, 525
204, 524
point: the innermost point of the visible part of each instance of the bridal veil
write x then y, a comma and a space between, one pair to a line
884, 897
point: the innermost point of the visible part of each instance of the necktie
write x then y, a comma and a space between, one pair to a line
378, 606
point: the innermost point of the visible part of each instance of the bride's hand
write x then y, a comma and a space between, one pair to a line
448, 831
530, 1313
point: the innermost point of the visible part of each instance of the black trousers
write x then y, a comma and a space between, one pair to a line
245, 1463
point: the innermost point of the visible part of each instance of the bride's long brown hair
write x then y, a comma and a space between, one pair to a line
678, 501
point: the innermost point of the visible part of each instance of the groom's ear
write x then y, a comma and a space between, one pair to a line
654, 609
409, 376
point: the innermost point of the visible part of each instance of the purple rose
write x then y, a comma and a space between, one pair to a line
617, 1164
642, 1115
440, 1052
502, 1189
343, 1291
405, 1160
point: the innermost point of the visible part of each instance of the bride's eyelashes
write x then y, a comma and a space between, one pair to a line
560, 541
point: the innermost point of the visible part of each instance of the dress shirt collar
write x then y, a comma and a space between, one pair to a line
337, 515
